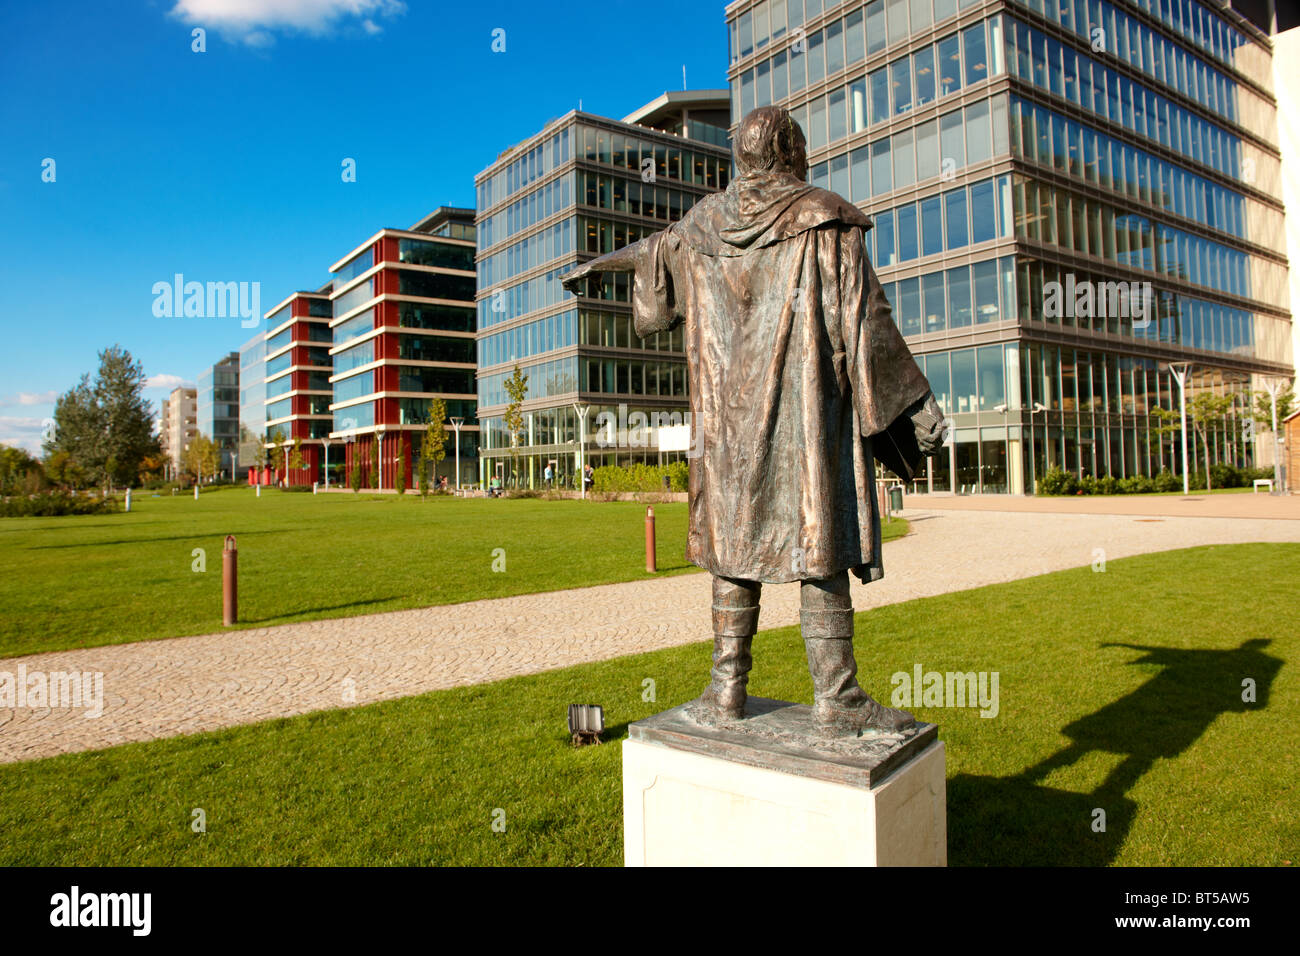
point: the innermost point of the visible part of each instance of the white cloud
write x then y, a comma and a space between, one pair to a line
30, 398
164, 381
254, 22
22, 433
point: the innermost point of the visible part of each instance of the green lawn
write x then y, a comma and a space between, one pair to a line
108, 579
1186, 773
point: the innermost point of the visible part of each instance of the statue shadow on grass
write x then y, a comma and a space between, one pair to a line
1017, 821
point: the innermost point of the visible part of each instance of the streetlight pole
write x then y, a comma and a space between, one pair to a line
456, 422
1180, 370
325, 442
1275, 387
582, 447
379, 439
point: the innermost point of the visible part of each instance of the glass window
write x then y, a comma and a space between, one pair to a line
963, 380
931, 226
860, 174
935, 302
834, 46
904, 159
954, 214
886, 254
835, 116
879, 81
854, 50
840, 174
952, 146
898, 28
979, 142
959, 309
920, 15
817, 123
900, 83
949, 65
927, 150
977, 67
985, 278
908, 245
923, 70
858, 105
908, 312
880, 173
983, 214
876, 37
992, 389
816, 64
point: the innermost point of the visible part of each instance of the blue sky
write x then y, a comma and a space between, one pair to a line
225, 165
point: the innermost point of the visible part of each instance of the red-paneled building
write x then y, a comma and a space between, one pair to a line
403, 334
298, 391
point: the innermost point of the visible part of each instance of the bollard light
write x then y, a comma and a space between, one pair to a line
229, 582
586, 723
651, 564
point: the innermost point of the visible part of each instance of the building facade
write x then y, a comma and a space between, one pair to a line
179, 425
253, 452
1069, 197
295, 387
217, 410
583, 186
403, 334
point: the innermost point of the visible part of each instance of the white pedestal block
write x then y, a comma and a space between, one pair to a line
717, 799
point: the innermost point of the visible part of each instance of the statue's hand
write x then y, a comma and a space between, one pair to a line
931, 427
575, 279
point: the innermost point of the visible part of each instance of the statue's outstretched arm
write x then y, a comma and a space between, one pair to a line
620, 260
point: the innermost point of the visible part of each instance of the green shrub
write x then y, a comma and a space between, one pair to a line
1088, 485
56, 504
1168, 481
1107, 485
613, 479
1057, 481
1226, 476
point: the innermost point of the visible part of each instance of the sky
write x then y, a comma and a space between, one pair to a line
128, 156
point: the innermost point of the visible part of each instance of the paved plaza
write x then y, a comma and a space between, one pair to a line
158, 689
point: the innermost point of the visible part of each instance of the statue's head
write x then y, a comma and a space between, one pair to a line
769, 140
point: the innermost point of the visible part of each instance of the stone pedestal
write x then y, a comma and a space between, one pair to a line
769, 791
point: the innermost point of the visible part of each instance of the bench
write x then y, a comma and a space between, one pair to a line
1265, 482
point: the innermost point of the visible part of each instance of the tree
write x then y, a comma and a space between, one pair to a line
1264, 408
107, 426
516, 387
200, 457
64, 472
274, 455
374, 461
20, 473
434, 447
1207, 410
297, 460
151, 468
399, 466
354, 471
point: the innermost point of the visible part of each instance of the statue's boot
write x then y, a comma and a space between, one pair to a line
735, 621
841, 707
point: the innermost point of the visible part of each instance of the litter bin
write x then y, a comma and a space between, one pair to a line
896, 498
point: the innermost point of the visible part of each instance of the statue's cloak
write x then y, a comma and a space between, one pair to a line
798, 377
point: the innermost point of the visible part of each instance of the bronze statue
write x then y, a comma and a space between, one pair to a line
799, 380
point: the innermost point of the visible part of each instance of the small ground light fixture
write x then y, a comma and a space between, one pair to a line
586, 722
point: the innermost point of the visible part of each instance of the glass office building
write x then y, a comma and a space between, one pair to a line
583, 186
252, 402
218, 408
401, 335
1068, 196
296, 390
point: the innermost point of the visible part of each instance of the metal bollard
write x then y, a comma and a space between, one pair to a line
196, 492
128, 500
259, 489
650, 561
229, 582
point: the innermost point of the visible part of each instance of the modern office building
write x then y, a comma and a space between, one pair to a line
403, 335
581, 186
295, 387
179, 425
252, 412
1032, 169
217, 410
